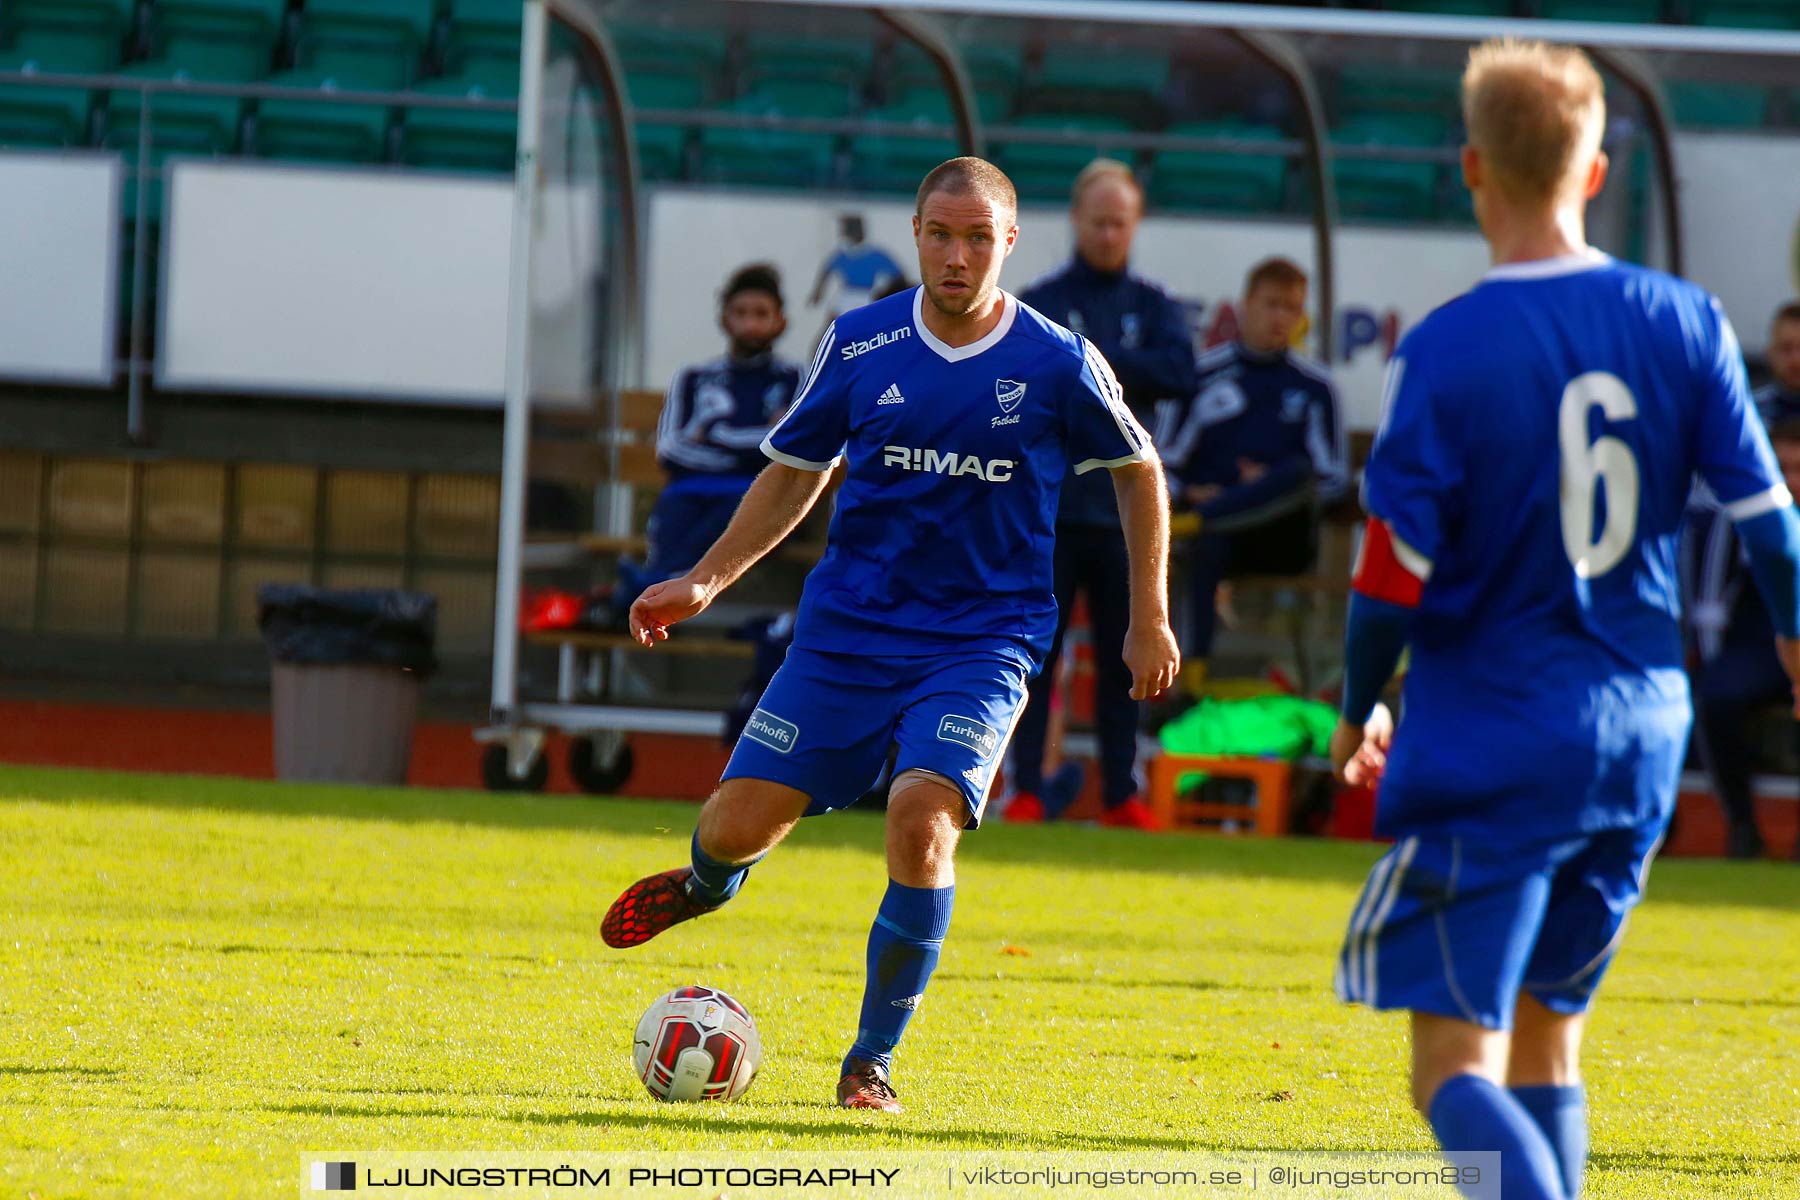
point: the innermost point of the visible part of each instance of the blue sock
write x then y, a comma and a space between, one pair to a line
716, 882
904, 942
1470, 1113
1561, 1112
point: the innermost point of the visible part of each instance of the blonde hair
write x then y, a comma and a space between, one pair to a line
1536, 113
1105, 168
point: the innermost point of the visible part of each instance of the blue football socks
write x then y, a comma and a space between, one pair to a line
903, 948
716, 882
1561, 1113
1470, 1113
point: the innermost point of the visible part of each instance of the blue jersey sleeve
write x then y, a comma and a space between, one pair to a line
1100, 428
811, 436
1414, 473
1732, 452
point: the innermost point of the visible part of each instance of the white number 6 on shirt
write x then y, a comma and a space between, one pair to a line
1585, 466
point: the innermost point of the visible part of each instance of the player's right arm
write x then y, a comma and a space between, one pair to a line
805, 445
1737, 463
776, 502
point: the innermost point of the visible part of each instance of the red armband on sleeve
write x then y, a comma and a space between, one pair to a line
1388, 569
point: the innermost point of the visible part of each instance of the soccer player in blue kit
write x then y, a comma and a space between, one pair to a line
1525, 492
960, 411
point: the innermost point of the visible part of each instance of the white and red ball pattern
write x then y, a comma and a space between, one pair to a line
696, 1043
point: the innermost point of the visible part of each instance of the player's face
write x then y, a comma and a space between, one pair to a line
962, 239
1272, 315
1106, 219
752, 320
1784, 354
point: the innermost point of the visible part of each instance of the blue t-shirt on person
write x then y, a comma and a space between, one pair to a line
944, 527
1538, 443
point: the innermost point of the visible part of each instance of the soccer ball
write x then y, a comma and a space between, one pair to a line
696, 1043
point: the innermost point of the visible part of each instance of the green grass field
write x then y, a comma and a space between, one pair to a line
201, 977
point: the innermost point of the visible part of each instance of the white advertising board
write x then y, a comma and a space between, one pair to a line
59, 258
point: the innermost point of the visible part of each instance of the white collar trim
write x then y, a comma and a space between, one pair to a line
1009, 310
1549, 268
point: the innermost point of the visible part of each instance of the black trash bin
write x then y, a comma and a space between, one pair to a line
345, 667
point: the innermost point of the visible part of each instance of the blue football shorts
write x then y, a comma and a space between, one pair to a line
1459, 926
826, 720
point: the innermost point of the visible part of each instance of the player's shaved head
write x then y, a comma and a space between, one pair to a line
1536, 113
970, 176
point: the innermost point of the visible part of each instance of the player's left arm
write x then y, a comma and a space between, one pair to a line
1150, 649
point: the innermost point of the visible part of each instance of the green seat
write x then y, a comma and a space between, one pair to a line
772, 57
765, 155
382, 68
67, 49
699, 52
1046, 170
41, 116
1631, 12
816, 98
371, 20
648, 90
893, 161
463, 140
662, 148
1747, 14
207, 124
1388, 189
1220, 179
491, 25
253, 20
222, 60
114, 17
1718, 105
1396, 87
1074, 80
315, 130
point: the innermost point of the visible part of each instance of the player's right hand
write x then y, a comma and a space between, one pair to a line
662, 605
1788, 650
1359, 752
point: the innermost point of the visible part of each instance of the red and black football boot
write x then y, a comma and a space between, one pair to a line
648, 907
865, 1085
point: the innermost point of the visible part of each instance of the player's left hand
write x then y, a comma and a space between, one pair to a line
1359, 752
1153, 657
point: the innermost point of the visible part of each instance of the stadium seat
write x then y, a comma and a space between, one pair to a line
310, 129
699, 52
662, 149
1220, 179
1089, 80
378, 41
113, 17
206, 124
1397, 87
779, 57
251, 20
463, 140
1634, 12
41, 116
893, 162
72, 50
799, 98
1718, 105
1388, 189
1045, 170
759, 155
1747, 14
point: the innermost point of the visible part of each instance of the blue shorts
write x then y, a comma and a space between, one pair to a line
1460, 926
824, 724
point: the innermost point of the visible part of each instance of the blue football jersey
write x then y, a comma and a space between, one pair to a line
1539, 439
945, 524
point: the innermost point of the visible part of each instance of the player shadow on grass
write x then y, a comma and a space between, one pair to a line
739, 1117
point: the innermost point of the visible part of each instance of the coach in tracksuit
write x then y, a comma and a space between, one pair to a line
1145, 338
1259, 446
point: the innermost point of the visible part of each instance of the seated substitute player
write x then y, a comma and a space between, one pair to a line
960, 411
713, 422
1735, 669
1779, 399
1258, 446
1526, 493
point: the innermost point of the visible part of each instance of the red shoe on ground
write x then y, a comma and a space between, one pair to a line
865, 1085
1025, 809
648, 907
1132, 814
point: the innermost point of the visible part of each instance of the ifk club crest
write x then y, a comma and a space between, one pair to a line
1008, 392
